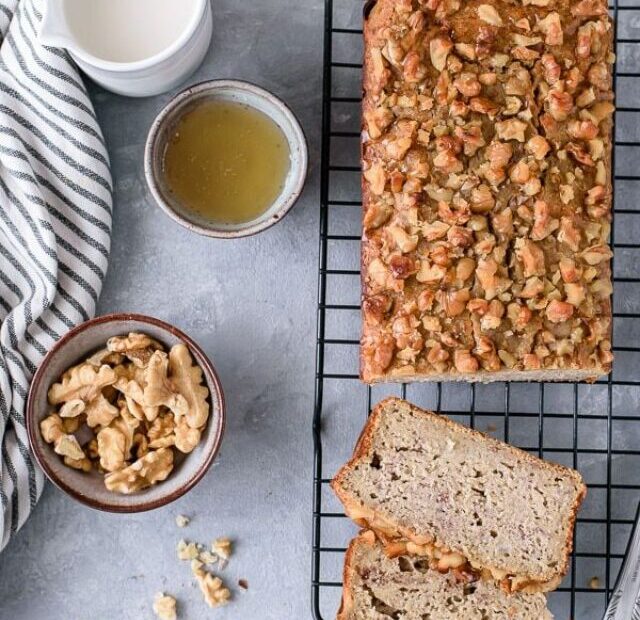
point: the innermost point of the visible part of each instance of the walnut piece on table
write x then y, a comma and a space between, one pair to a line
222, 547
214, 591
164, 606
187, 550
182, 520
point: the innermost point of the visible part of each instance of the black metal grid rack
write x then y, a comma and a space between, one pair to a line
595, 428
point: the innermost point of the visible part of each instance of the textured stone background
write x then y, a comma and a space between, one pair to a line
251, 304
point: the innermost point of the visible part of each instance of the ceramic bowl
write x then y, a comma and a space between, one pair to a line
163, 128
89, 488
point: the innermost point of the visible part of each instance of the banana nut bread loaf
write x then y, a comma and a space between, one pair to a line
486, 190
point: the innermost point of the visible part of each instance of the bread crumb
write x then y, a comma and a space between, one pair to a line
243, 583
182, 521
594, 583
164, 606
187, 551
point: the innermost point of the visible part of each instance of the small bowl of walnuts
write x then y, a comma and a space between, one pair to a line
125, 413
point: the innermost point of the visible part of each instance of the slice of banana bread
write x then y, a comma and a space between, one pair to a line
377, 587
420, 477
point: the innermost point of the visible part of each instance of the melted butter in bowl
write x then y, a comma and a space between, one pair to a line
226, 159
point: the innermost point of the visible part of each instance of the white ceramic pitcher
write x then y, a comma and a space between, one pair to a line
140, 78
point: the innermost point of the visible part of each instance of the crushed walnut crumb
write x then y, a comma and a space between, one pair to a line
187, 550
214, 591
206, 557
212, 587
182, 521
222, 547
164, 606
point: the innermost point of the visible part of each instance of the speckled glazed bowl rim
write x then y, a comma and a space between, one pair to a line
297, 140
212, 381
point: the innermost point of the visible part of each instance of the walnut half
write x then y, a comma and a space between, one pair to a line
151, 468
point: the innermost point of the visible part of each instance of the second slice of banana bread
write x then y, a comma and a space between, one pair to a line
378, 587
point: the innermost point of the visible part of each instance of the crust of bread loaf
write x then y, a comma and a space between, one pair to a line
365, 443
377, 13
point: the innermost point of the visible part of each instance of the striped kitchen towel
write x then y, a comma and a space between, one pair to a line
55, 229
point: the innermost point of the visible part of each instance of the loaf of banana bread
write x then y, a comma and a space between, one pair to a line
486, 190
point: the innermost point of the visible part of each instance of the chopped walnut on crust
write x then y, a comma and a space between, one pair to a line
487, 191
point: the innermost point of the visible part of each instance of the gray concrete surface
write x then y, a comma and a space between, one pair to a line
251, 305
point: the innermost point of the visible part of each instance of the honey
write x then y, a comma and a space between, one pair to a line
226, 162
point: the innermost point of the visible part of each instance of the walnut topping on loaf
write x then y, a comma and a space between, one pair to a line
487, 190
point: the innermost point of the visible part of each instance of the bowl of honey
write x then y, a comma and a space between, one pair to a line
226, 158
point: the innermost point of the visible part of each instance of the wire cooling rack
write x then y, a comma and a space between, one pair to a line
595, 428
